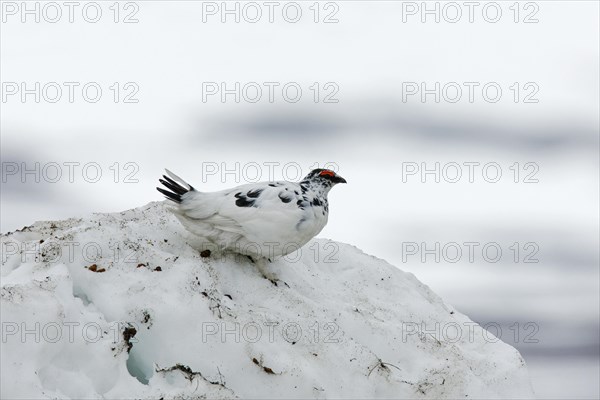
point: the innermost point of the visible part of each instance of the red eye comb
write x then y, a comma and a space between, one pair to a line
327, 172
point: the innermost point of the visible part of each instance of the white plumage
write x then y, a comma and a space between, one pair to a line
262, 220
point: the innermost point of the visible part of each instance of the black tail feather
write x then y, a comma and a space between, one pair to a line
176, 190
172, 182
171, 196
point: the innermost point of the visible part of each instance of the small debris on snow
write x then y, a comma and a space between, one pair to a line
128, 333
94, 268
205, 253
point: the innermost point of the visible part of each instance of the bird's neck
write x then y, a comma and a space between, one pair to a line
317, 188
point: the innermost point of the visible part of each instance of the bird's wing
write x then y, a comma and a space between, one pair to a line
256, 210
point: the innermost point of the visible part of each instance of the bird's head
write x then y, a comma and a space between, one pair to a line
325, 177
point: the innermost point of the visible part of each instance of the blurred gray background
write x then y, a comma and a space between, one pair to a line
372, 134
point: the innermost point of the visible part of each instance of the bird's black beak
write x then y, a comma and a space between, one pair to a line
339, 179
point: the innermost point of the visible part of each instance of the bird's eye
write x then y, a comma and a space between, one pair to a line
327, 172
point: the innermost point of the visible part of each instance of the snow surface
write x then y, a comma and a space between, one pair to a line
340, 323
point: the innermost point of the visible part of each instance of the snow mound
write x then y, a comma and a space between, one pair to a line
123, 306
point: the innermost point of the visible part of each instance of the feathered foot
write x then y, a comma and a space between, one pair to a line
261, 264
